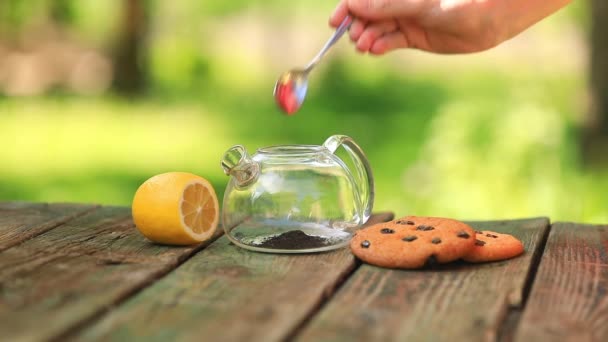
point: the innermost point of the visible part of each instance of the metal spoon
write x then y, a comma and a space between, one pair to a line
290, 89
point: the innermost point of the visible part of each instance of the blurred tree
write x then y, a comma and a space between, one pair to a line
595, 141
62, 12
130, 54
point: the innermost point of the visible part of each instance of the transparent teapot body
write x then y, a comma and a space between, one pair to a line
295, 199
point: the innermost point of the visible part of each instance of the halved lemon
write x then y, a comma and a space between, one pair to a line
176, 208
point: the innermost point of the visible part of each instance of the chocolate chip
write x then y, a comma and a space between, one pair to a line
386, 231
411, 223
425, 228
478, 232
491, 235
431, 261
365, 244
436, 241
479, 242
410, 238
463, 234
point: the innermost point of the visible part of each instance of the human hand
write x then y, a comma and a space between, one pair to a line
441, 26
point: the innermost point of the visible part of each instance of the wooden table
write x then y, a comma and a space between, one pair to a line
81, 272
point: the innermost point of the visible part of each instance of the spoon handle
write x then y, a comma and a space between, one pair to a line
344, 26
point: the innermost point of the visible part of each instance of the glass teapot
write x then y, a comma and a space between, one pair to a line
296, 198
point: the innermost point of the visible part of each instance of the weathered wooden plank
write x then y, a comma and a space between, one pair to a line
457, 302
54, 282
21, 221
228, 293
569, 298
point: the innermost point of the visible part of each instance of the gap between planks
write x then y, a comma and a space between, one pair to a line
328, 295
512, 317
323, 301
83, 324
58, 222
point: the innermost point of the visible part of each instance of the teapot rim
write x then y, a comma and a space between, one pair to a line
291, 149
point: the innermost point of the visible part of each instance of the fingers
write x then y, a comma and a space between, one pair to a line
339, 14
356, 29
375, 27
388, 42
384, 9
374, 31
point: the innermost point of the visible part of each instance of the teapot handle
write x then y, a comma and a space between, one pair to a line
363, 172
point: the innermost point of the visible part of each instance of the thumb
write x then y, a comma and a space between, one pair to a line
383, 9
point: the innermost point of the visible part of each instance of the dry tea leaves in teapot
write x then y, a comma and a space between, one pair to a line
294, 239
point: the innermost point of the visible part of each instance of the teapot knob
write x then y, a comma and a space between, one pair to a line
237, 163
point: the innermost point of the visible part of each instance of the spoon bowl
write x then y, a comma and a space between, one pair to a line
290, 90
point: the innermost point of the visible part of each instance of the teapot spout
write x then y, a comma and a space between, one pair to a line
237, 163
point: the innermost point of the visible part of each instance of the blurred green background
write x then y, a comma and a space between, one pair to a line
97, 96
